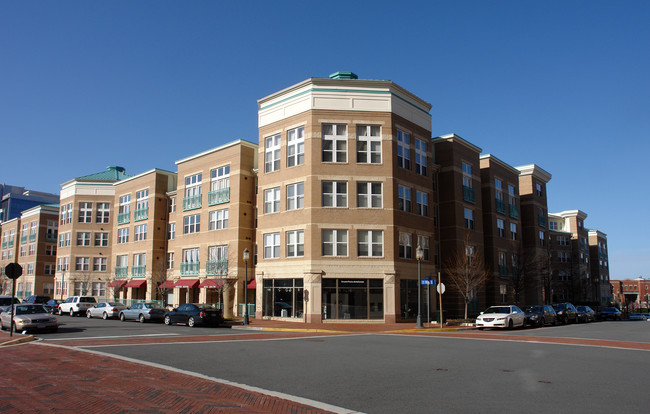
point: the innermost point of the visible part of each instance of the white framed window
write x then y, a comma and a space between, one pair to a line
295, 243
103, 213
220, 178
83, 238
334, 194
296, 146
369, 195
50, 250
23, 251
501, 228
498, 189
272, 200
272, 245
503, 291
422, 203
123, 235
217, 263
295, 196
272, 153
191, 255
61, 288
420, 156
170, 260
467, 175
82, 263
142, 199
403, 149
370, 243
369, 144
62, 263
423, 242
32, 249
334, 143
125, 204
513, 231
335, 242
192, 224
538, 189
405, 245
33, 227
30, 269
219, 219
171, 231
48, 288
140, 232
404, 198
469, 218
98, 289
85, 212
99, 264
171, 207
139, 259
541, 238
101, 239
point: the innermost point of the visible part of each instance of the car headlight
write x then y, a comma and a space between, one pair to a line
534, 316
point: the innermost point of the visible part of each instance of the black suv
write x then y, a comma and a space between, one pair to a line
566, 312
37, 299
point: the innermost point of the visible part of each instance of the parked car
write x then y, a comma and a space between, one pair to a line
637, 317
508, 316
76, 305
52, 305
540, 315
105, 310
566, 312
37, 299
194, 314
29, 317
610, 313
5, 302
585, 314
143, 311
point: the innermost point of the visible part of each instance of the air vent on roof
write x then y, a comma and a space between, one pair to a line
343, 75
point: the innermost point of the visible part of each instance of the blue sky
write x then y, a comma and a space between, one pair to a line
141, 84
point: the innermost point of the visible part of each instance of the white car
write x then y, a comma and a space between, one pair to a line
76, 305
105, 310
506, 316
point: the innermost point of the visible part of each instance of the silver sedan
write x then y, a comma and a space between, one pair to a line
143, 312
28, 317
105, 310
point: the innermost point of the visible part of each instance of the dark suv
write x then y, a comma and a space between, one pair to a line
37, 299
566, 312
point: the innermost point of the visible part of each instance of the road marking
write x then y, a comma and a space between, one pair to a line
107, 337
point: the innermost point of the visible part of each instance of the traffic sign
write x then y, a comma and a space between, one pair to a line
13, 270
441, 288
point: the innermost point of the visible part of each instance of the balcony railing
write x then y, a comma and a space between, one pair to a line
219, 196
216, 267
23, 239
121, 272
137, 271
189, 268
123, 218
192, 202
11, 243
32, 237
4, 245
514, 211
140, 214
469, 195
501, 206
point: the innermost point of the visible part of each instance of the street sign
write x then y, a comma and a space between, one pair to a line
428, 282
13, 270
441, 288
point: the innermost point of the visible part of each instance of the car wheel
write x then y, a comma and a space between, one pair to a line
88, 315
71, 313
168, 320
510, 324
55, 329
105, 316
480, 329
141, 318
542, 322
122, 317
60, 312
191, 322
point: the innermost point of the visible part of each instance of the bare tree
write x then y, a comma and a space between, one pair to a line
159, 276
5, 283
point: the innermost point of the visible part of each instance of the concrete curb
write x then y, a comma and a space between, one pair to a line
26, 338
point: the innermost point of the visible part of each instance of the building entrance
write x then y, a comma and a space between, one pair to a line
353, 299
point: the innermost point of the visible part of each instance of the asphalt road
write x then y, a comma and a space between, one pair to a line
377, 373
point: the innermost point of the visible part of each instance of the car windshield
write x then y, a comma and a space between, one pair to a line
115, 304
497, 309
28, 310
581, 308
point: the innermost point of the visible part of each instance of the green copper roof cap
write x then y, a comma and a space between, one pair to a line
113, 173
343, 75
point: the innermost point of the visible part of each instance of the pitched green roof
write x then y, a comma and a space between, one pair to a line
112, 173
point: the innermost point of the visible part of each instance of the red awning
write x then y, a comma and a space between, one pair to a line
212, 284
187, 283
116, 283
167, 284
252, 284
136, 283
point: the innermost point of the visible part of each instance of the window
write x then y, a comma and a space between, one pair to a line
63, 263
563, 257
140, 232
503, 291
50, 250
218, 219
170, 260
369, 195
125, 204
553, 225
192, 224
139, 263
423, 242
33, 227
296, 146
64, 239
219, 185
296, 243
98, 289
272, 200
403, 149
513, 231
23, 251
370, 243
99, 264
503, 264
141, 205
52, 230
541, 238
422, 203
190, 262
335, 242
101, 239
191, 255
123, 235
49, 269
405, 246
272, 245
217, 263
469, 218
171, 231
335, 194
334, 143
467, 175
501, 229
404, 198
85, 212
82, 263
83, 238
538, 189
103, 212
369, 144
171, 207
420, 156
272, 153
30, 270
32, 249
295, 196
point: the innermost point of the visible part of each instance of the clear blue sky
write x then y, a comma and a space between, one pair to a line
141, 84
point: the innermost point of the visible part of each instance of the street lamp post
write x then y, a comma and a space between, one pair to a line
246, 257
419, 254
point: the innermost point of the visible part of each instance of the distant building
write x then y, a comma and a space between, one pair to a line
631, 294
14, 200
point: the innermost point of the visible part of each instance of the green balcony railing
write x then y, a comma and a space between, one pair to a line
216, 267
501, 206
189, 268
140, 214
11, 243
32, 237
23, 239
4, 245
219, 196
514, 211
469, 195
137, 271
121, 272
123, 218
192, 202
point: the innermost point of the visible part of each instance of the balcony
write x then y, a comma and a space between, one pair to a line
11, 243
32, 237
219, 196
121, 272
501, 206
4, 245
216, 267
469, 195
189, 268
192, 202
137, 271
140, 214
514, 211
123, 218
23, 239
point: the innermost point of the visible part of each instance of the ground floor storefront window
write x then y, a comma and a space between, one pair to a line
353, 299
283, 298
408, 298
